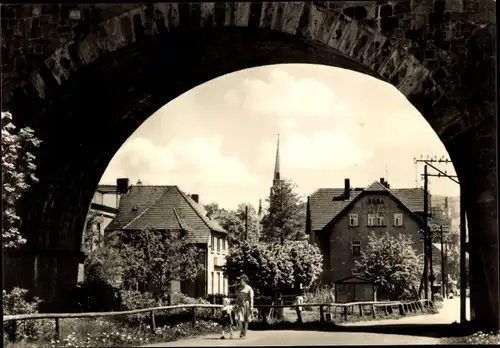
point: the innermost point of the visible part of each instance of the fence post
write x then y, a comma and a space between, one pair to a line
13, 335
345, 313
321, 315
299, 315
360, 310
386, 310
401, 309
374, 311
58, 333
153, 321
194, 317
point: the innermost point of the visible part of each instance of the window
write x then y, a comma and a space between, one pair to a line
212, 245
398, 219
371, 219
353, 219
213, 282
223, 244
224, 282
218, 283
380, 219
356, 248
218, 245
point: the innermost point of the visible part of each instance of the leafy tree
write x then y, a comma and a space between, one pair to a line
18, 173
307, 262
234, 221
393, 264
158, 258
286, 216
267, 266
91, 234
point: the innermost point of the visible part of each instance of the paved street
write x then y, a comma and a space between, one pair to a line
410, 330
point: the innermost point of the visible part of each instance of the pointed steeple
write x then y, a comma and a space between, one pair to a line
276, 177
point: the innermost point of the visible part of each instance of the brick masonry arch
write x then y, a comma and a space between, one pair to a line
86, 76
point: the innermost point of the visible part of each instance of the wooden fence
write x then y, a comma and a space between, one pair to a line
346, 309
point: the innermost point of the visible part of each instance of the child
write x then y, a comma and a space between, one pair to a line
227, 317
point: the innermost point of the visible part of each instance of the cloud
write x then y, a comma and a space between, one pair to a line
321, 150
288, 124
284, 95
181, 162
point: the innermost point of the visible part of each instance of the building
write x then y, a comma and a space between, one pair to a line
105, 207
339, 220
168, 208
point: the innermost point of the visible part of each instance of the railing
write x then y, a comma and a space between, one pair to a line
388, 308
404, 307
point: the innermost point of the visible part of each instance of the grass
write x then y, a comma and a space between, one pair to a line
474, 339
92, 332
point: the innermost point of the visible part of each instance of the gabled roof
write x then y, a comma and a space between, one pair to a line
163, 208
323, 208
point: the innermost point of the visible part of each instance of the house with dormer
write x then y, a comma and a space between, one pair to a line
167, 208
339, 221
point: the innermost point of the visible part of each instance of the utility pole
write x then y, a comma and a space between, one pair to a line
463, 269
246, 222
426, 235
442, 264
463, 238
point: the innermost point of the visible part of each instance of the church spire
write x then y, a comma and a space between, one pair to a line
276, 177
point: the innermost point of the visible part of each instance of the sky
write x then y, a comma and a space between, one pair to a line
218, 140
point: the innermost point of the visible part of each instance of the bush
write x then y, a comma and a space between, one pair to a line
100, 332
137, 300
16, 302
478, 338
320, 295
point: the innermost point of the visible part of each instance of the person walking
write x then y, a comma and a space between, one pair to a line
244, 305
227, 318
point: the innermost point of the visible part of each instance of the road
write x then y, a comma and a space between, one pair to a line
410, 330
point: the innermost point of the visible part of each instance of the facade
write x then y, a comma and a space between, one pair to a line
339, 221
105, 204
168, 208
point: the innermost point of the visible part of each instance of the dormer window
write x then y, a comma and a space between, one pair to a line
135, 208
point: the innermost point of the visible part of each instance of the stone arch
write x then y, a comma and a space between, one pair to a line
90, 93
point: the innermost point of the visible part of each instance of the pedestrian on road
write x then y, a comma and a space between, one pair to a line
244, 305
227, 318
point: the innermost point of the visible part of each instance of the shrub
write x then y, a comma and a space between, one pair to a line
137, 300
320, 295
16, 302
477, 338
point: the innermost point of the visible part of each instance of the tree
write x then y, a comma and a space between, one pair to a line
286, 216
18, 173
91, 234
158, 257
393, 264
234, 221
267, 266
307, 261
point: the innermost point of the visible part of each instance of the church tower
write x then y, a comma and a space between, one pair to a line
276, 177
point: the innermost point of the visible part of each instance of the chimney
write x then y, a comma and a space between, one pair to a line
121, 186
384, 183
195, 198
347, 188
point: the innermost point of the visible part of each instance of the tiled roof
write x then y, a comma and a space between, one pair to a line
165, 208
323, 208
